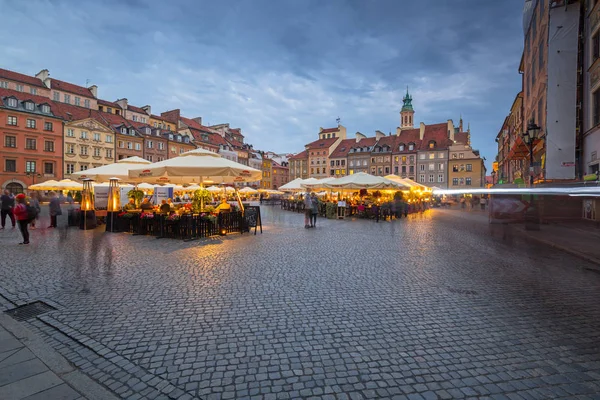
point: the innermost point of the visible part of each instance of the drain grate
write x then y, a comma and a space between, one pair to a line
28, 311
463, 291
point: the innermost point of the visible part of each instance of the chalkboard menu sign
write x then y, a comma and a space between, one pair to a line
252, 218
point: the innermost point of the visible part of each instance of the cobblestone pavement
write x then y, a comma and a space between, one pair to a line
434, 306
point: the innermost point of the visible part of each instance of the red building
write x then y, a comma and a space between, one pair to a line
32, 140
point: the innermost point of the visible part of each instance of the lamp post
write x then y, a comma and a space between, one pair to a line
529, 137
33, 175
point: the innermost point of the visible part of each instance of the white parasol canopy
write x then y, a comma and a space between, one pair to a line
67, 184
217, 189
196, 166
407, 182
248, 190
48, 185
119, 170
292, 186
362, 180
316, 183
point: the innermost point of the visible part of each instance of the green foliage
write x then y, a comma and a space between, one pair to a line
377, 194
77, 197
136, 195
331, 210
198, 197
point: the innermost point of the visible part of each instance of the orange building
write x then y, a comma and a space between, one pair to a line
32, 140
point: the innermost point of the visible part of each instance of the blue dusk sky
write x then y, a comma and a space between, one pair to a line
280, 69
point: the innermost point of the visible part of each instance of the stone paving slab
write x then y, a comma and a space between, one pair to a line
433, 306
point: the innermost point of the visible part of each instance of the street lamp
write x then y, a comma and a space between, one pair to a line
529, 137
33, 175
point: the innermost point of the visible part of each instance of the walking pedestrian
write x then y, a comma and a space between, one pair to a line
22, 217
307, 208
463, 202
482, 202
54, 209
314, 210
375, 211
35, 203
8, 202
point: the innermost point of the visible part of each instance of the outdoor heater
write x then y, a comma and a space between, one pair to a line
114, 203
87, 217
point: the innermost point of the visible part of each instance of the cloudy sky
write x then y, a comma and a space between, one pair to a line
280, 69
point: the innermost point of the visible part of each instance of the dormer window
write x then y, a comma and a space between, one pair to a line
29, 106
411, 146
170, 136
132, 131
46, 109
402, 147
124, 131
431, 144
148, 130
186, 139
12, 102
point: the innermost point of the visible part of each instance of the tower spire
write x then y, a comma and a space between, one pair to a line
407, 112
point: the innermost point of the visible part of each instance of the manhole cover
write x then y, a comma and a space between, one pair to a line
28, 311
463, 291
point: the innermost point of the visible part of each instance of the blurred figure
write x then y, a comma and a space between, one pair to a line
171, 205
224, 206
21, 213
130, 205
307, 208
8, 202
314, 210
54, 209
482, 203
146, 204
164, 207
35, 203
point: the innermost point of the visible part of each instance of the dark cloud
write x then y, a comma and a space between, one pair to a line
280, 69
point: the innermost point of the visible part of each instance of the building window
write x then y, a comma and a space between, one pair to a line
86, 103
20, 88
12, 102
455, 168
431, 178
10, 165
29, 106
454, 181
96, 151
422, 178
56, 96
70, 148
30, 144
83, 135
431, 156
129, 145
138, 146
49, 168
10, 141
422, 156
161, 146
48, 126
84, 150
70, 132
468, 181
441, 166
70, 168
411, 169
83, 167
461, 155
97, 137
109, 153
403, 169
77, 101
12, 121
46, 109
149, 158
431, 167
31, 123
469, 167
49, 145
67, 98
3, 84
33, 91
149, 144
30, 166
440, 177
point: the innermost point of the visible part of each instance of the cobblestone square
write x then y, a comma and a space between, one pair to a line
435, 306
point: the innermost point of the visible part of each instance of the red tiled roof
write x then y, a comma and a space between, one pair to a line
70, 88
321, 143
135, 109
74, 113
108, 103
22, 96
235, 143
388, 141
158, 117
365, 142
461, 137
114, 120
438, 133
217, 139
299, 156
15, 76
329, 130
193, 124
343, 148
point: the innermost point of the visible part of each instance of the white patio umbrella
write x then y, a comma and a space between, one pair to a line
191, 188
362, 180
316, 183
248, 190
145, 186
407, 182
67, 184
120, 170
48, 185
292, 186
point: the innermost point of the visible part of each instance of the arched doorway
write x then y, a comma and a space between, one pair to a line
14, 187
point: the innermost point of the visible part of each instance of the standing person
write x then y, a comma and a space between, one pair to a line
21, 213
375, 211
35, 203
307, 208
8, 202
482, 202
54, 209
314, 210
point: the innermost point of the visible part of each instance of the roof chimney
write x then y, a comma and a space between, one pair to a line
148, 110
379, 135
451, 130
122, 103
421, 131
359, 137
94, 90
44, 76
69, 116
198, 120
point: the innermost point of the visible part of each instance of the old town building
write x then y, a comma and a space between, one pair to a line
88, 140
68, 93
267, 165
129, 143
319, 150
466, 168
279, 174
22, 83
338, 159
512, 156
591, 90
381, 156
404, 154
32, 140
359, 156
299, 165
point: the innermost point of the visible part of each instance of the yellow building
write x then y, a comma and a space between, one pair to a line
88, 144
465, 168
159, 122
267, 169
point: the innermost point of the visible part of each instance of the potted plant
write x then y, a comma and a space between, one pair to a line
199, 196
136, 195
